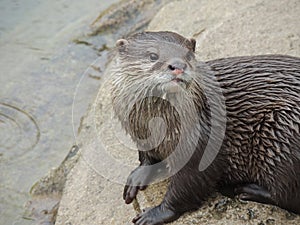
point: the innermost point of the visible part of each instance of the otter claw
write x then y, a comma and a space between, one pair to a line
155, 216
136, 181
130, 193
253, 192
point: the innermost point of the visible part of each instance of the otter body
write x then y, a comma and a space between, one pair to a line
262, 140
157, 76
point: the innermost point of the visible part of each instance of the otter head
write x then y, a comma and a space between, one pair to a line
155, 76
156, 62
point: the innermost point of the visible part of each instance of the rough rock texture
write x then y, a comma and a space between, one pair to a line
93, 193
234, 28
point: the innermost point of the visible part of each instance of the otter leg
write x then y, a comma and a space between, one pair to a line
140, 177
227, 190
255, 193
186, 192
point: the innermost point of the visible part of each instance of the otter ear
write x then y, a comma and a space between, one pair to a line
193, 41
121, 44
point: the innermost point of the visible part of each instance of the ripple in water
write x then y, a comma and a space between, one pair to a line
19, 132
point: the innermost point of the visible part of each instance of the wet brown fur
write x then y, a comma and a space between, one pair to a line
262, 137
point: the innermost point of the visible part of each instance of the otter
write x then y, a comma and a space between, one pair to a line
173, 106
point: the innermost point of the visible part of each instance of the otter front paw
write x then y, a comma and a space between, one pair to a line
137, 180
155, 216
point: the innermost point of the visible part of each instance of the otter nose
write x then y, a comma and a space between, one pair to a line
177, 66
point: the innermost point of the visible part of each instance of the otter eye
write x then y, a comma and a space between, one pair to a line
153, 56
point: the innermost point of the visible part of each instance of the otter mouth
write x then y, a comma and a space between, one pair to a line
175, 85
184, 83
179, 80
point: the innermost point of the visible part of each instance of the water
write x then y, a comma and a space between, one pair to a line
39, 71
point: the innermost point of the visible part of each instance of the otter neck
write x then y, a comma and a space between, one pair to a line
157, 124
